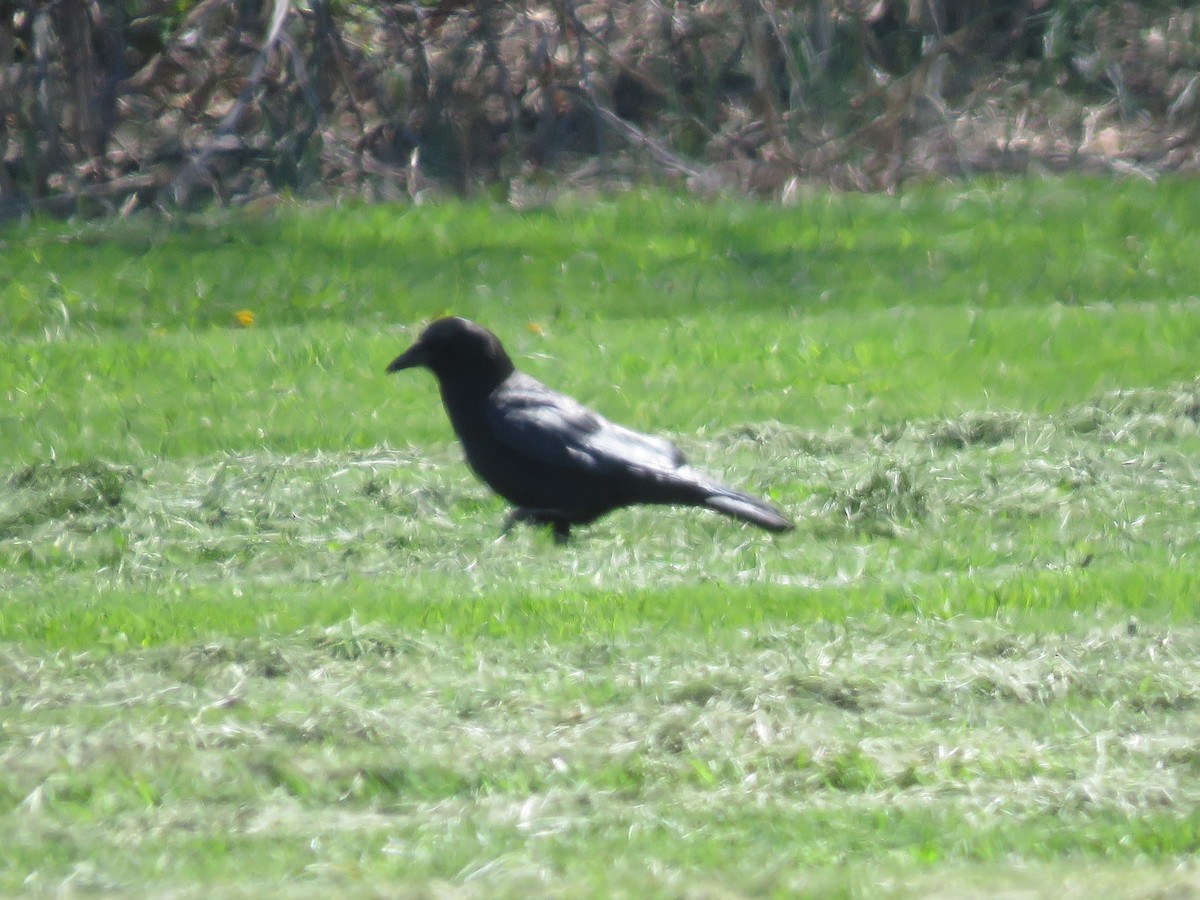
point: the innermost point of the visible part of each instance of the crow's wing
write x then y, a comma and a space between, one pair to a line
552, 428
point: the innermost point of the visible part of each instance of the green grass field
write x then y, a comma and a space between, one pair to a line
257, 632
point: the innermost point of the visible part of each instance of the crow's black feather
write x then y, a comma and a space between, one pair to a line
555, 460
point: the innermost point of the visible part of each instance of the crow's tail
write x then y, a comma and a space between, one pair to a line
692, 487
750, 509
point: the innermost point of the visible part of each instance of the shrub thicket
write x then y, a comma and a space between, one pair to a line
114, 105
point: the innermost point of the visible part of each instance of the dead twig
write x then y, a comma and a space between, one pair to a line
195, 170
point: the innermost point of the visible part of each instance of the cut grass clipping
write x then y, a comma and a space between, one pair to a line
995, 495
257, 633
365, 754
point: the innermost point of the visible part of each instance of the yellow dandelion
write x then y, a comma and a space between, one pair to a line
244, 317
535, 328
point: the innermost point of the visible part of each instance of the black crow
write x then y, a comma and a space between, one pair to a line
557, 462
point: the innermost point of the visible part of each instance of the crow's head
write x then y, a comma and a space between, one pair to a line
459, 352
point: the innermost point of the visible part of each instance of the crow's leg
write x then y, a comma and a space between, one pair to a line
562, 531
562, 528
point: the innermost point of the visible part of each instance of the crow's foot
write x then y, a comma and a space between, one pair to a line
561, 527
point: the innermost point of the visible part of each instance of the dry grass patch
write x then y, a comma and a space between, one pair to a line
372, 747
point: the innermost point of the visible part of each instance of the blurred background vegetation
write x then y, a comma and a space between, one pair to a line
110, 106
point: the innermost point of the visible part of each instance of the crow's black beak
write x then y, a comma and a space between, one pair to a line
411, 358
